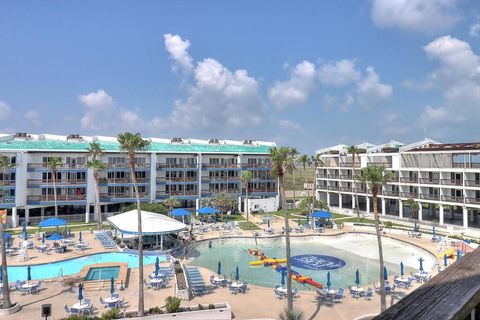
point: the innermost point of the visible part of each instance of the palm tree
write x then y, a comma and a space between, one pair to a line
283, 161
131, 143
317, 162
294, 152
414, 206
53, 164
171, 203
377, 177
94, 151
353, 150
246, 177
4, 164
305, 160
291, 315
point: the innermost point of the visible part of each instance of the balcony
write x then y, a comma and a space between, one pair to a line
349, 164
246, 166
123, 181
394, 179
451, 182
346, 189
379, 191
472, 183
412, 195
429, 196
346, 176
177, 193
332, 176
177, 180
472, 200
63, 166
59, 183
227, 166
123, 196
222, 179
322, 187
391, 193
458, 199
189, 166
217, 191
429, 180
138, 166
60, 198
7, 183
260, 190
321, 175
333, 188
7, 200
385, 164
409, 179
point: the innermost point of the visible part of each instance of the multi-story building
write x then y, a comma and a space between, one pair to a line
186, 169
443, 178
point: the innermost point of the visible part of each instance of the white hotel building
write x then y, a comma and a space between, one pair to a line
443, 178
187, 169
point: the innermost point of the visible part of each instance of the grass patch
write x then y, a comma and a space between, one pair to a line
247, 225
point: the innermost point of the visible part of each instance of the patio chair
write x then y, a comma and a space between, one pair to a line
295, 292
338, 296
67, 310
321, 294
103, 302
244, 286
212, 281
232, 289
369, 294
89, 310
86, 301
279, 295
147, 284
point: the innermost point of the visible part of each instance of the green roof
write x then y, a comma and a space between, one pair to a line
58, 145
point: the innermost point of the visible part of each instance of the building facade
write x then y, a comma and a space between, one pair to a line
443, 178
186, 169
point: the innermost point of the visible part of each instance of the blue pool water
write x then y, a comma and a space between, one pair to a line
102, 273
73, 266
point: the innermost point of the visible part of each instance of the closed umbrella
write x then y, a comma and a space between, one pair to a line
69, 233
9, 244
433, 230
121, 286
112, 286
385, 273
328, 280
237, 274
459, 254
283, 278
1, 274
308, 220
157, 267
401, 269
80, 292
357, 277
268, 223
24, 230
445, 262
29, 273
80, 236
421, 264
415, 227
43, 238
298, 221
219, 268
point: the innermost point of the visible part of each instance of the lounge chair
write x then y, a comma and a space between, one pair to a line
339, 295
321, 294
67, 310
369, 294
243, 288
295, 292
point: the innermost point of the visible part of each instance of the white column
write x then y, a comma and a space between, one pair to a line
328, 199
384, 212
400, 208
161, 242
14, 217
27, 215
368, 204
420, 209
239, 204
340, 200
465, 217
42, 212
197, 205
87, 213
440, 214
199, 163
354, 204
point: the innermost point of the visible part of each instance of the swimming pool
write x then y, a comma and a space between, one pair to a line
102, 273
314, 257
73, 266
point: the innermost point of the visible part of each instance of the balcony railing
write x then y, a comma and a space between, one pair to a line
177, 179
452, 182
45, 165
217, 191
59, 183
322, 187
394, 178
60, 197
349, 164
472, 183
346, 189
127, 165
321, 175
466, 165
221, 166
391, 193
119, 195
332, 176
177, 193
385, 164
256, 165
459, 199
412, 195
472, 200
409, 179
260, 190
123, 180
333, 188
345, 177
429, 196
7, 199
7, 182
429, 180
177, 166
370, 191
231, 179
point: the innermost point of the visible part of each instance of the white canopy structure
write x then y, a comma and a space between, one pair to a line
152, 223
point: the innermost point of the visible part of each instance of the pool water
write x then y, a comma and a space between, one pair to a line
102, 273
73, 266
346, 254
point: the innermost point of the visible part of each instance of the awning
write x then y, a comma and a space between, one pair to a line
152, 223
52, 222
321, 214
180, 212
207, 210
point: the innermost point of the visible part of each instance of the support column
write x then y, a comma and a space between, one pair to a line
465, 217
340, 200
14, 217
368, 204
27, 215
384, 207
42, 212
400, 208
87, 213
441, 214
328, 199
197, 205
420, 209
354, 204
161, 242
239, 204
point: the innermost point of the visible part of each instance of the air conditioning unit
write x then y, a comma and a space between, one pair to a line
176, 140
249, 142
74, 136
21, 135
213, 141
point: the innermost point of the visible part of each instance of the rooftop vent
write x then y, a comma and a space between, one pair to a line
74, 136
21, 135
176, 140
213, 141
249, 142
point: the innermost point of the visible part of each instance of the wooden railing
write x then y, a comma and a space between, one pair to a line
459, 199
124, 195
45, 165
177, 166
123, 180
452, 182
38, 182
429, 180
60, 197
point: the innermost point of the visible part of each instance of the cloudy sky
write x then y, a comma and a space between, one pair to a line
301, 73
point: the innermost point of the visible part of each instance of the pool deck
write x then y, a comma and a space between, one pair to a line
258, 302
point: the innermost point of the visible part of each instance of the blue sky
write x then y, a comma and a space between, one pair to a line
307, 74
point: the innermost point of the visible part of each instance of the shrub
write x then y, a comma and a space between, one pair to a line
291, 315
211, 306
200, 306
172, 304
388, 224
155, 310
111, 314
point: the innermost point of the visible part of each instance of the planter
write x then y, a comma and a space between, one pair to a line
182, 293
222, 311
14, 308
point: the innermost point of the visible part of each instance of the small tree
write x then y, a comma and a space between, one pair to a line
171, 203
414, 206
246, 177
53, 164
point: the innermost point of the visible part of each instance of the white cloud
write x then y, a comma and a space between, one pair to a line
34, 118
474, 30
297, 89
370, 91
5, 110
101, 113
178, 49
290, 125
339, 73
416, 15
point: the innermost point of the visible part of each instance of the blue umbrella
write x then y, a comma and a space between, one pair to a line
268, 223
80, 292
421, 264
29, 273
219, 268
433, 230
401, 269
80, 236
445, 262
157, 267
237, 274
8, 243
54, 237
328, 280
112, 285
43, 238
357, 277
24, 230
385, 273
69, 233
283, 278
459, 254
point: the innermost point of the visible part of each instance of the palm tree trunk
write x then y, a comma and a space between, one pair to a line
141, 310
314, 188
383, 302
55, 193
287, 244
294, 187
357, 207
246, 197
6, 291
97, 201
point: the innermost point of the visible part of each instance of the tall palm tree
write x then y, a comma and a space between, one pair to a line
377, 177
4, 164
294, 152
246, 177
414, 206
283, 161
131, 143
317, 162
53, 163
171, 203
304, 160
353, 150
94, 151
